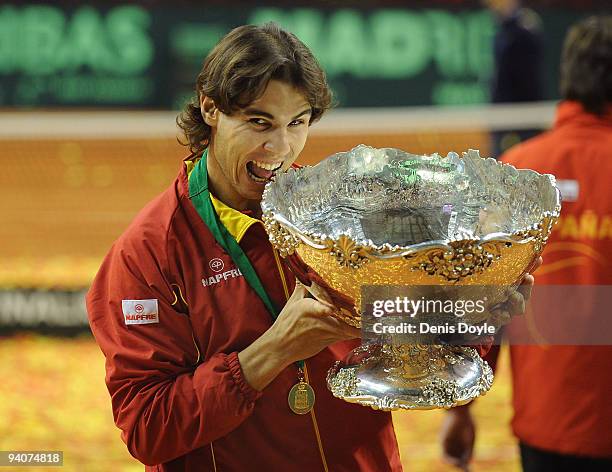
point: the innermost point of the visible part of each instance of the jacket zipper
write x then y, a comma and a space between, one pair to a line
212, 453
312, 412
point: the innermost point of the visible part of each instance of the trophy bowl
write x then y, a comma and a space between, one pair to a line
382, 217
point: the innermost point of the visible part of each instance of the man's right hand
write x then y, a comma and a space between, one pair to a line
304, 327
457, 437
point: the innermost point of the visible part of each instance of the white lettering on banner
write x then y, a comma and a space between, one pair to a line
31, 308
140, 311
228, 274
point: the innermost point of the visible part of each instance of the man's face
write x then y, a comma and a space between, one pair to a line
249, 146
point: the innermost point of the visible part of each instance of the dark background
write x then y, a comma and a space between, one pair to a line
147, 54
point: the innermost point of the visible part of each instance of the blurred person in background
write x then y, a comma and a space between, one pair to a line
518, 56
562, 394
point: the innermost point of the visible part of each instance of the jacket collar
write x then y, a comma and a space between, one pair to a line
571, 112
236, 222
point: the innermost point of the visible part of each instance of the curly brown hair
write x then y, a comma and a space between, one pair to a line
237, 72
586, 64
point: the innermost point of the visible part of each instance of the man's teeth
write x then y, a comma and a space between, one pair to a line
255, 178
272, 166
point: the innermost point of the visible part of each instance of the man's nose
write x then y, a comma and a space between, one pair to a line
278, 142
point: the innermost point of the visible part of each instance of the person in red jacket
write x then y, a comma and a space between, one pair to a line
216, 359
561, 394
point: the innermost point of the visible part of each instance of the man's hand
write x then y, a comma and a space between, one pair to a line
516, 303
457, 437
304, 327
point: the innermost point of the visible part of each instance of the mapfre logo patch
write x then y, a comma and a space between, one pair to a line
140, 311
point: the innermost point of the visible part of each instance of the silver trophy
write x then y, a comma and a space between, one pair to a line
381, 217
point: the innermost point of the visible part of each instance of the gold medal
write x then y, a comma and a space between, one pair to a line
301, 398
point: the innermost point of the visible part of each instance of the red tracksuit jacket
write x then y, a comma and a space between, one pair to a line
561, 394
171, 311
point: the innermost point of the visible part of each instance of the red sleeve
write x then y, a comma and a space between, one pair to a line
165, 400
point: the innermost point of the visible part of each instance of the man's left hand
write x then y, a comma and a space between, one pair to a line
516, 303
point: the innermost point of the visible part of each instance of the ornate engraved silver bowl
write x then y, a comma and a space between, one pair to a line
386, 217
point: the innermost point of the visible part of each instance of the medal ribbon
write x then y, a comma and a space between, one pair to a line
200, 197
